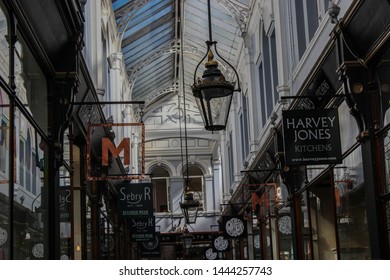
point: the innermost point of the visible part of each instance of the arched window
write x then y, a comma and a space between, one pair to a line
160, 181
196, 182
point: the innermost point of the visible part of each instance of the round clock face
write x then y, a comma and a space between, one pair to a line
3, 236
285, 225
221, 243
37, 250
210, 255
234, 227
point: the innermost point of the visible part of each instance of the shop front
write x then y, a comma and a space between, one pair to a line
330, 152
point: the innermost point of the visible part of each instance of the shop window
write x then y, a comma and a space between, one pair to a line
160, 181
31, 212
4, 49
30, 207
386, 153
27, 162
3, 146
350, 201
322, 221
31, 90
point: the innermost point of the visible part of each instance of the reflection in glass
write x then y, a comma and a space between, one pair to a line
349, 194
30, 203
4, 177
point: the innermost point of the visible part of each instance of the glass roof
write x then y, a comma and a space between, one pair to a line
153, 31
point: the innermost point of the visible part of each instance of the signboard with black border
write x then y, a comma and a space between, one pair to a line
311, 137
135, 200
234, 227
151, 248
220, 243
142, 228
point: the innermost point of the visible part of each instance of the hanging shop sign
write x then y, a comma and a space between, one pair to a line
65, 197
110, 157
311, 137
142, 228
234, 227
151, 248
220, 244
135, 200
107, 245
210, 254
256, 244
319, 92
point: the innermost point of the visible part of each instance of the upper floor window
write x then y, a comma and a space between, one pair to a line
160, 181
196, 182
245, 127
268, 76
230, 160
306, 16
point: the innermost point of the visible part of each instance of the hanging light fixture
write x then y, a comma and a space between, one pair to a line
186, 238
213, 93
189, 207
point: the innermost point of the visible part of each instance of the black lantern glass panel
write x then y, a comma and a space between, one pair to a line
187, 238
190, 208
